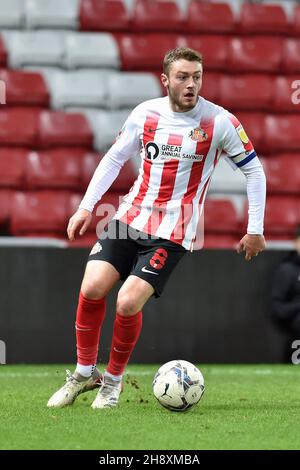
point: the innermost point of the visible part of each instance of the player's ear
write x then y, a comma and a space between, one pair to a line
164, 80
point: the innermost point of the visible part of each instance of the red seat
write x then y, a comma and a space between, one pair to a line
3, 52
5, 208
282, 215
255, 54
206, 17
296, 20
59, 168
103, 212
291, 55
286, 94
220, 216
59, 129
12, 167
18, 127
215, 50
38, 212
25, 88
210, 89
156, 16
282, 133
262, 19
247, 92
253, 124
106, 15
220, 241
122, 184
283, 173
145, 52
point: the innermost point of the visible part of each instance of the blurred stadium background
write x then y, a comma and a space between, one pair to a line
73, 70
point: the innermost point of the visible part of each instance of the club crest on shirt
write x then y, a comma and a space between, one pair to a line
198, 134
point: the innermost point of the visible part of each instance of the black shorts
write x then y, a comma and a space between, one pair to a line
133, 252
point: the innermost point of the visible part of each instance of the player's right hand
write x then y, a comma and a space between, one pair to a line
79, 221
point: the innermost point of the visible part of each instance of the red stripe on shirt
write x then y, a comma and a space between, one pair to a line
165, 190
186, 210
149, 131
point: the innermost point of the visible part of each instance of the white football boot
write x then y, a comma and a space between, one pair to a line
109, 393
68, 393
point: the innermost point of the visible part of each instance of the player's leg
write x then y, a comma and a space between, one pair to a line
127, 327
99, 278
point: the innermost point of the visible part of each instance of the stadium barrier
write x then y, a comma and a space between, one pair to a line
215, 309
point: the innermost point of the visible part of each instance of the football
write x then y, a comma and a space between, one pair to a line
178, 385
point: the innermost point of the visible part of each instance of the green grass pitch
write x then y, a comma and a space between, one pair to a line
244, 407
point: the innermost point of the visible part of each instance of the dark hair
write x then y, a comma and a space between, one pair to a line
180, 53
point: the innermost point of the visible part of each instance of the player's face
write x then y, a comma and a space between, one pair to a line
183, 84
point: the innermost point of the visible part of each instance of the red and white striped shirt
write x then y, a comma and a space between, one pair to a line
179, 152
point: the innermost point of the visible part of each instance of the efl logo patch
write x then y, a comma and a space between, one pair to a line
242, 134
198, 134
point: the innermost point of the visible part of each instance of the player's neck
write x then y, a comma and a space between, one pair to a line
176, 108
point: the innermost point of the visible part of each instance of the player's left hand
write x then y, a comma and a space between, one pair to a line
252, 245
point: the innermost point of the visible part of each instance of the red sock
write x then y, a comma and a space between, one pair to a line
126, 333
89, 319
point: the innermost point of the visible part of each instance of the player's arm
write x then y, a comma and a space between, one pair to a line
242, 154
126, 146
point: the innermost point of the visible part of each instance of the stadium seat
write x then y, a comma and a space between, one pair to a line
106, 126
246, 92
59, 168
19, 127
144, 52
91, 50
286, 94
282, 215
296, 20
107, 15
214, 49
58, 129
41, 211
206, 17
220, 216
283, 173
6, 197
255, 54
210, 89
80, 88
262, 19
12, 167
122, 184
226, 180
3, 53
12, 14
253, 124
25, 88
282, 133
128, 89
156, 15
220, 241
291, 56
53, 14
38, 47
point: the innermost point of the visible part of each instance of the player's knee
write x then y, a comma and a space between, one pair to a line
92, 291
126, 305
